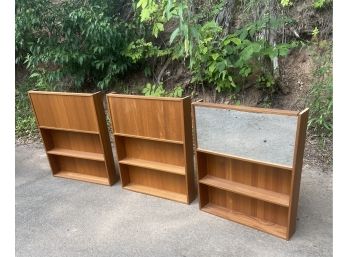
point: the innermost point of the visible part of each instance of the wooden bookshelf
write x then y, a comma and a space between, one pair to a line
249, 168
75, 136
153, 137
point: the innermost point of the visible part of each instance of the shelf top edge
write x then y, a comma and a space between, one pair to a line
149, 138
161, 98
62, 93
244, 108
70, 130
276, 165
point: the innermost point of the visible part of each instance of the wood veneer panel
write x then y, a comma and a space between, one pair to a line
155, 181
83, 177
261, 176
247, 108
255, 192
243, 189
157, 192
255, 213
152, 150
51, 110
154, 145
73, 141
297, 170
154, 165
150, 138
104, 138
75, 136
188, 149
268, 227
82, 166
147, 117
77, 154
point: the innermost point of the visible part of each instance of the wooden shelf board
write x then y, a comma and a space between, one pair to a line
243, 108
70, 130
250, 191
157, 192
77, 154
275, 165
179, 170
262, 225
83, 177
159, 98
60, 93
150, 138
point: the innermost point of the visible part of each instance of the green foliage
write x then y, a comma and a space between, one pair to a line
285, 2
320, 98
219, 59
139, 50
214, 58
158, 90
315, 32
266, 82
177, 91
319, 3
29, 22
80, 40
25, 120
154, 90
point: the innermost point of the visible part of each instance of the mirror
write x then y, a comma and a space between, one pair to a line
263, 137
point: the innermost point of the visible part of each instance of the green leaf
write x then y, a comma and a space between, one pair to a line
157, 28
236, 40
80, 60
215, 56
160, 26
212, 67
142, 3
174, 35
35, 74
220, 66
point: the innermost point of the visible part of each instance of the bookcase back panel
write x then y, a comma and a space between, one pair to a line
51, 111
263, 211
72, 141
147, 117
82, 166
156, 179
265, 137
260, 176
152, 150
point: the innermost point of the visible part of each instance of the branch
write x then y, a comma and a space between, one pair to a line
165, 66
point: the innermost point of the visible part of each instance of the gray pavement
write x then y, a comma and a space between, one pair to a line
61, 217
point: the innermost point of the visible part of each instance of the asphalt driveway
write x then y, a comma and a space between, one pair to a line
61, 217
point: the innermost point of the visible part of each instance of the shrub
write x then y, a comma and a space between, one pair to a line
320, 98
85, 41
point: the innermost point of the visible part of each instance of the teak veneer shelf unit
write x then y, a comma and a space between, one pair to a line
249, 163
153, 138
75, 136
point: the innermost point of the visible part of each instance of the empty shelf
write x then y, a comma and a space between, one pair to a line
77, 154
157, 192
250, 191
180, 170
275, 165
244, 219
